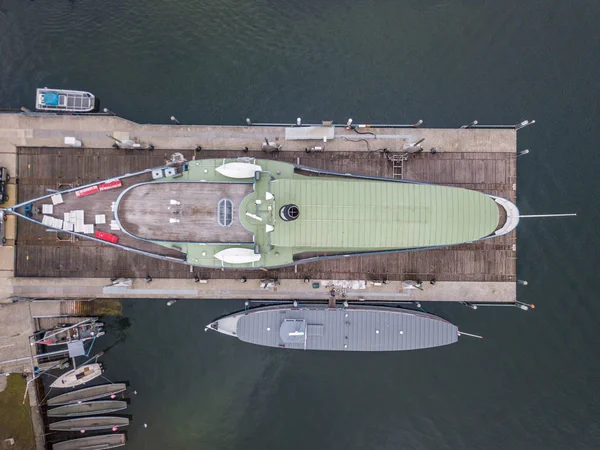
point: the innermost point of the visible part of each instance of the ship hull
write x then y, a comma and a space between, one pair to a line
355, 328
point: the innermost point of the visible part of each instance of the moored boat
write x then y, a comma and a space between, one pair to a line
353, 328
104, 441
78, 376
65, 100
249, 213
64, 334
87, 394
87, 408
89, 423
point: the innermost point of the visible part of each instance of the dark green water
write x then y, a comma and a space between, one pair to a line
532, 383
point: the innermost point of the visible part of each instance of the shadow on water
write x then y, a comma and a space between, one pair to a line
117, 327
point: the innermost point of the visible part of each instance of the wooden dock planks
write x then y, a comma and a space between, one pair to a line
39, 254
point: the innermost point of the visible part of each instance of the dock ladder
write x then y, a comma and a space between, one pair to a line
397, 160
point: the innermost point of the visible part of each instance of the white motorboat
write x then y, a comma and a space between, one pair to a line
57, 100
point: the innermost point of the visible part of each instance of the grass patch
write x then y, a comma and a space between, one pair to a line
15, 417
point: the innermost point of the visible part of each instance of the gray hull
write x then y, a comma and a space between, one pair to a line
87, 408
92, 443
89, 423
356, 328
86, 394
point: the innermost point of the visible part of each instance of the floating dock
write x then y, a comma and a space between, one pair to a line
49, 264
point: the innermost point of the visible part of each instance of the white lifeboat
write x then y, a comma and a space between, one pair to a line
238, 256
238, 170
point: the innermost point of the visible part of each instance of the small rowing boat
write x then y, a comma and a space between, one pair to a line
104, 441
87, 408
90, 423
87, 394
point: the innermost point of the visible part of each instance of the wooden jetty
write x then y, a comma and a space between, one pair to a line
475, 158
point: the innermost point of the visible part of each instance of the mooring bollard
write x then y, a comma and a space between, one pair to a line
524, 124
524, 306
472, 124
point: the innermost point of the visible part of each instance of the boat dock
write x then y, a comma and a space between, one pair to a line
37, 263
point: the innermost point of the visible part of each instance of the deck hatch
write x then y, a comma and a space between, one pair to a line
293, 331
225, 212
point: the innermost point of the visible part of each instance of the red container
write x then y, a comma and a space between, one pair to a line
106, 236
110, 185
86, 191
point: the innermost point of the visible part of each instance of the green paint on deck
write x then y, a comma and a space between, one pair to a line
380, 214
339, 214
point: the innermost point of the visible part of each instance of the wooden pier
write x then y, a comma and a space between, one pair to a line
479, 159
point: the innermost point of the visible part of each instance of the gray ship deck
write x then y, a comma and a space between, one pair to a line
356, 328
40, 254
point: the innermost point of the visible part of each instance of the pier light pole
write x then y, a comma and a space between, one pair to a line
174, 119
109, 112
248, 121
523, 152
418, 124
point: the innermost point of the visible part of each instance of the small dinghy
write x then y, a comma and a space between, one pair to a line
87, 409
64, 100
78, 376
90, 423
87, 394
104, 441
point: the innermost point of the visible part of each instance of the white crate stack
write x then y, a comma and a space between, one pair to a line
71, 221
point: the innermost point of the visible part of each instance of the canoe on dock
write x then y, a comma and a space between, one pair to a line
89, 423
87, 394
104, 441
354, 328
65, 100
87, 408
78, 376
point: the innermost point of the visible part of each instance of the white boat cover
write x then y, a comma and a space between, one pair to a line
238, 256
238, 170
